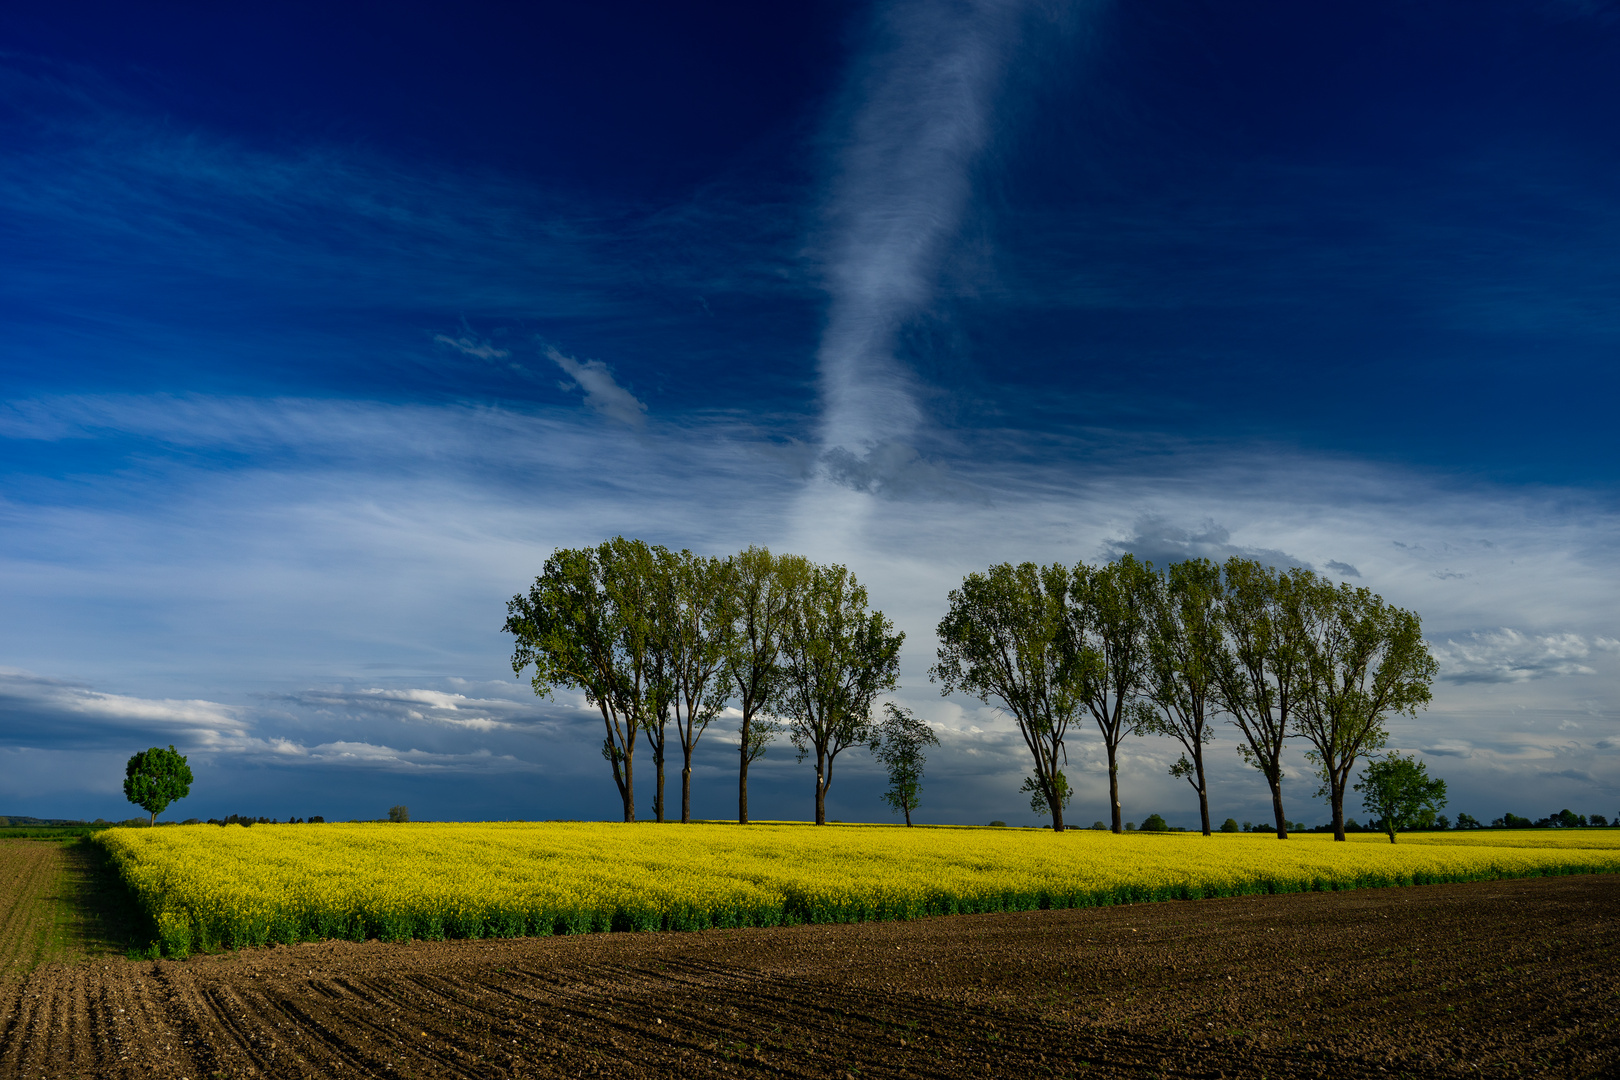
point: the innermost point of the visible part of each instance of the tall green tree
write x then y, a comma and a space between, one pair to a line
1110, 610
155, 778
1261, 670
1007, 640
655, 583
1185, 651
698, 634
586, 624
837, 657
1397, 790
900, 743
1366, 661
764, 591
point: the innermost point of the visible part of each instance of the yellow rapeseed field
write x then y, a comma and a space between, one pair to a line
207, 886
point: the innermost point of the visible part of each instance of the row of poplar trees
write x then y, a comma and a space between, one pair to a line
659, 640
1282, 654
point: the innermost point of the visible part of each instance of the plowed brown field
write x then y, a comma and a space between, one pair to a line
1495, 979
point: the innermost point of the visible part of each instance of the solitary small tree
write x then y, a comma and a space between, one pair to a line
899, 745
1398, 790
399, 814
155, 778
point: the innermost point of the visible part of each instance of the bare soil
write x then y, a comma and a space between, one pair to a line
1515, 978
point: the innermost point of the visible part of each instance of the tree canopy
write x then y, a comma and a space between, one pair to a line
155, 778
837, 657
1399, 793
1366, 661
1006, 640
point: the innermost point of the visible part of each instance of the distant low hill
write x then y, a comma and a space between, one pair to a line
15, 820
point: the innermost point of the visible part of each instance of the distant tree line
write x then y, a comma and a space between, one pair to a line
244, 819
1282, 654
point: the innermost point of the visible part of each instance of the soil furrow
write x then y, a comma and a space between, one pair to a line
1491, 979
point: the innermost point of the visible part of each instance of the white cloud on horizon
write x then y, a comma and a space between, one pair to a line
1506, 655
344, 537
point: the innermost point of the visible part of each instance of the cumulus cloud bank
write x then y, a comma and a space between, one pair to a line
1161, 541
49, 712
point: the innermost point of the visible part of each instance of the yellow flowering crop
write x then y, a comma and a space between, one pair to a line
208, 887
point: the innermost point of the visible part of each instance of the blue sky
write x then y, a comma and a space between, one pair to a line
323, 327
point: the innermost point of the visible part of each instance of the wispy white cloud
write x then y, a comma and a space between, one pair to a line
371, 756
920, 119
602, 393
421, 706
472, 346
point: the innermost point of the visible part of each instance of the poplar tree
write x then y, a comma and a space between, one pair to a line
837, 657
698, 628
1110, 611
1007, 640
1366, 661
1261, 671
764, 590
1184, 656
585, 624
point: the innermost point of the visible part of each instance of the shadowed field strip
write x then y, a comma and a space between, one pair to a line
32, 876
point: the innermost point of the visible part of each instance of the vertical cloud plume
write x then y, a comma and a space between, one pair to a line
920, 119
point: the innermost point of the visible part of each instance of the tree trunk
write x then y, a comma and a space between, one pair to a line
1057, 815
742, 776
1276, 808
658, 798
1203, 793
1337, 794
821, 795
153, 823
1113, 788
908, 817
629, 791
686, 790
